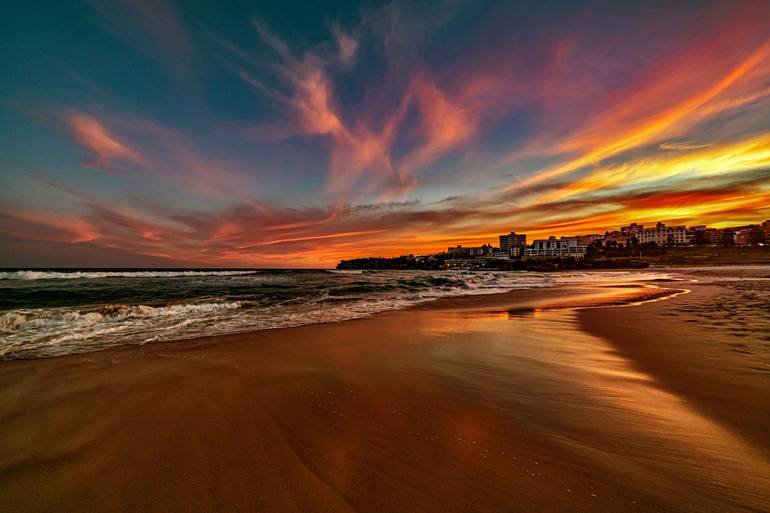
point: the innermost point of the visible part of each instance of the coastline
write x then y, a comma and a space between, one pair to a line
477, 403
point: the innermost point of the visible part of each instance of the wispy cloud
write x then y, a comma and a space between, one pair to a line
254, 233
343, 142
682, 146
364, 161
616, 137
155, 150
105, 148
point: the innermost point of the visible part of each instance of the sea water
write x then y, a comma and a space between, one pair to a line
47, 313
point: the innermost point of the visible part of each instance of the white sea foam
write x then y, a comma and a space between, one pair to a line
85, 275
17, 320
41, 332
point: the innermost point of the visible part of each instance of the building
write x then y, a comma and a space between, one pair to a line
662, 235
742, 237
696, 234
751, 235
704, 236
458, 263
485, 250
513, 244
713, 236
631, 230
587, 240
553, 248
457, 252
616, 237
469, 252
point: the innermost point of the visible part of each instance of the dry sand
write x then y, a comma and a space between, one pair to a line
501, 403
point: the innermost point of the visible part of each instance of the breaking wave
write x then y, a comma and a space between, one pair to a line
62, 318
92, 275
44, 316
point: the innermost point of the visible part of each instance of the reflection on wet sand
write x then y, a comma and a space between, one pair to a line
575, 389
463, 406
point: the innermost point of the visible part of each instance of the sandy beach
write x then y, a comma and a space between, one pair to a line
574, 398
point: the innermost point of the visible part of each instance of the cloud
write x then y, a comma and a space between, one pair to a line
682, 146
36, 225
710, 160
368, 157
654, 126
346, 43
257, 234
579, 131
698, 76
153, 149
105, 147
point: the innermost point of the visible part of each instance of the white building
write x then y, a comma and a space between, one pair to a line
552, 247
663, 235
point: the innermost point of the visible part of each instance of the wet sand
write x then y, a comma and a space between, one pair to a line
512, 402
711, 347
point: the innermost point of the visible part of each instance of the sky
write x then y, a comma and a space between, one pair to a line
283, 134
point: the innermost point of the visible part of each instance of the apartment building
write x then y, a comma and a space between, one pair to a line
662, 235
553, 247
472, 251
513, 243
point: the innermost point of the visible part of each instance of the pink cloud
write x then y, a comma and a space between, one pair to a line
362, 161
104, 146
253, 233
166, 153
44, 226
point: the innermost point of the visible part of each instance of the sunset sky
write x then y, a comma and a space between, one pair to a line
262, 134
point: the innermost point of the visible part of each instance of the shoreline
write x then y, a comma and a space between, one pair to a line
566, 296
82, 323
481, 403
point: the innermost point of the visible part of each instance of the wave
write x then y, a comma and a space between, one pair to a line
58, 317
80, 275
209, 307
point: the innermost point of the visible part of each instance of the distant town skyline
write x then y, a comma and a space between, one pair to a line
518, 244
288, 134
628, 247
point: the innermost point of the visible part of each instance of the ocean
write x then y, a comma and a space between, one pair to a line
45, 313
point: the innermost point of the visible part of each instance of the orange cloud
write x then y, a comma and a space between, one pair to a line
650, 127
257, 235
613, 153
708, 160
